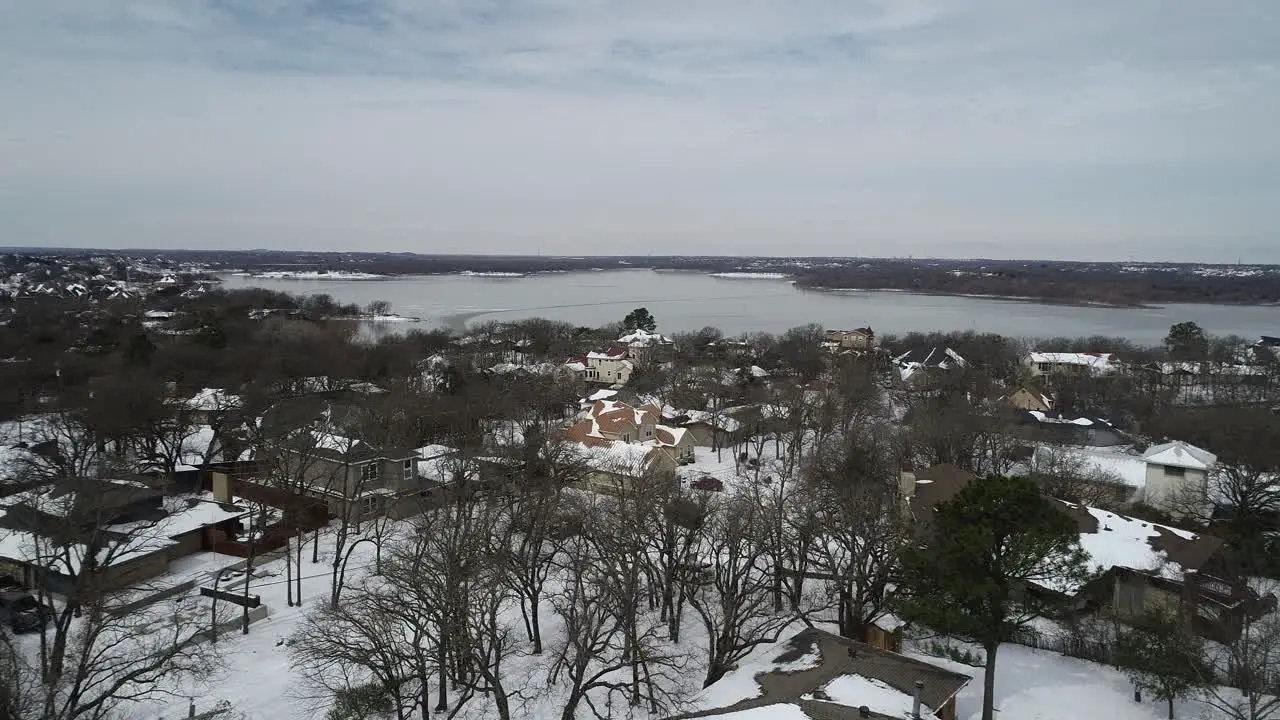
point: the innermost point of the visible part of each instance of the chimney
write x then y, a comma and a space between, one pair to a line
915, 701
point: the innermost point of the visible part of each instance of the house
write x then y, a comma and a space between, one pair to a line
922, 490
719, 428
1027, 399
1176, 471
611, 366
678, 442
354, 478
208, 404
858, 339
619, 421
923, 365
1137, 565
643, 346
1059, 429
820, 675
1166, 477
135, 531
1143, 566
1067, 363
615, 466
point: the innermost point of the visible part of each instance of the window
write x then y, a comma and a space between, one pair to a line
370, 504
1174, 471
369, 472
1045, 367
408, 469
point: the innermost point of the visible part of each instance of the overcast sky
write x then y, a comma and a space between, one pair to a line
1074, 129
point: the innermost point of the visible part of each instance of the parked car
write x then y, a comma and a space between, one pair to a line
22, 612
707, 483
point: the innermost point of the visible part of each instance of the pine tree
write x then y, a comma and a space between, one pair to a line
1162, 656
977, 574
640, 319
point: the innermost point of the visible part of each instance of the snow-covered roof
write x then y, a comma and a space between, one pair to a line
723, 422
444, 465
617, 457
29, 548
603, 394
210, 399
1125, 466
857, 691
187, 514
1041, 417
612, 353
670, 436
643, 338
1095, 361
1180, 454
913, 361
1124, 542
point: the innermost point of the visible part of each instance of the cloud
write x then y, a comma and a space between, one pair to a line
994, 127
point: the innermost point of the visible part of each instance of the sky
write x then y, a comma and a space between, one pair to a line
1066, 129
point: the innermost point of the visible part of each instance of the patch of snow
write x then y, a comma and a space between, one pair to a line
751, 275
856, 691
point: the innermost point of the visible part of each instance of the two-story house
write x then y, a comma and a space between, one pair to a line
858, 340
611, 366
1177, 472
354, 478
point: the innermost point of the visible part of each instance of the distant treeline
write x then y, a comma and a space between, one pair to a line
1068, 282
1057, 282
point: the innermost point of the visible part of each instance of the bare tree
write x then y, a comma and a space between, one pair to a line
735, 603
369, 642
1251, 665
599, 651
101, 651
1067, 476
861, 526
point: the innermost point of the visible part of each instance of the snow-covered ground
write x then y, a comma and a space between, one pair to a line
313, 275
1042, 685
751, 275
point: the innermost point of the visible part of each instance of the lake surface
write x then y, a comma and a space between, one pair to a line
689, 301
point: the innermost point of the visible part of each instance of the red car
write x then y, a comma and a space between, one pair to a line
707, 483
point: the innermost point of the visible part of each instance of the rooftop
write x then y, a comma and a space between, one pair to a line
815, 674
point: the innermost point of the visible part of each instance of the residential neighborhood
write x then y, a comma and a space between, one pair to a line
589, 508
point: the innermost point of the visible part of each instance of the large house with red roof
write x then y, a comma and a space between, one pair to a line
621, 442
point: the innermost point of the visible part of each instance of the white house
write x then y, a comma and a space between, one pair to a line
1175, 470
612, 366
643, 345
1066, 363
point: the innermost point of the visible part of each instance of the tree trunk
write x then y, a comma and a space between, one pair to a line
989, 682
442, 703
1170, 708
533, 622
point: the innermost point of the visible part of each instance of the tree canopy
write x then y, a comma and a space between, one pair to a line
640, 319
980, 572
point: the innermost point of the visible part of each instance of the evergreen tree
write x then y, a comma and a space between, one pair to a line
1186, 341
981, 572
1162, 655
640, 319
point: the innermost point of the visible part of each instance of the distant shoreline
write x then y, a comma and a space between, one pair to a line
741, 275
